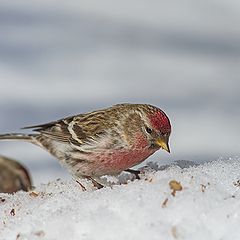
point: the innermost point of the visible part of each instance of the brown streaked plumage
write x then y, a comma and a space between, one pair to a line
103, 142
13, 176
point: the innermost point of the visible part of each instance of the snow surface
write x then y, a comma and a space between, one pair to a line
207, 207
60, 58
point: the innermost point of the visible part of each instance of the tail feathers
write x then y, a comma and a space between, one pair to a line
17, 136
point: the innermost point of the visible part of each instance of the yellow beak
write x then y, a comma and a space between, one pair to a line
163, 143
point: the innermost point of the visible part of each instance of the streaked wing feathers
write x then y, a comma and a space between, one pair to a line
44, 126
77, 130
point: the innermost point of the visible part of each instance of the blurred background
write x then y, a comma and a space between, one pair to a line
59, 58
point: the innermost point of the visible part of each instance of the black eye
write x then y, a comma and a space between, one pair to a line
148, 130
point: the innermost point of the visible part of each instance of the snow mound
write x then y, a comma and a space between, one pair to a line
182, 201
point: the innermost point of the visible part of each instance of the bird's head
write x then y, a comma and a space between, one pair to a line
144, 125
157, 128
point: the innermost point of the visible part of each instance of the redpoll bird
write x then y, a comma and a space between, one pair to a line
103, 142
13, 176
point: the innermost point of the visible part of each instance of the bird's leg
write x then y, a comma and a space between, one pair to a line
134, 172
83, 188
95, 183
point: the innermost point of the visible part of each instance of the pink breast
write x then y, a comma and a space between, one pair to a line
107, 161
119, 160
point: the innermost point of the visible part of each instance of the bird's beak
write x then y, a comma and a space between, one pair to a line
163, 143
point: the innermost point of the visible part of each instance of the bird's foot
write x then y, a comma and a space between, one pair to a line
134, 172
95, 183
83, 188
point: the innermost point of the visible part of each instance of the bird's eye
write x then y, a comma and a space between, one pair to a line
148, 130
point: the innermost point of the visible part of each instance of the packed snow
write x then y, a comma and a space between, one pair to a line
179, 201
61, 58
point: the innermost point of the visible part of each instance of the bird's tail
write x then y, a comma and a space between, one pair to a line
18, 136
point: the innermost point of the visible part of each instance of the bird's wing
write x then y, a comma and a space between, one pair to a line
84, 129
55, 130
49, 124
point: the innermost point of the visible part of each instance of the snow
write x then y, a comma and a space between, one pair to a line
60, 58
207, 207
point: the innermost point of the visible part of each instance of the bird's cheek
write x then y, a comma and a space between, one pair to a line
141, 141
